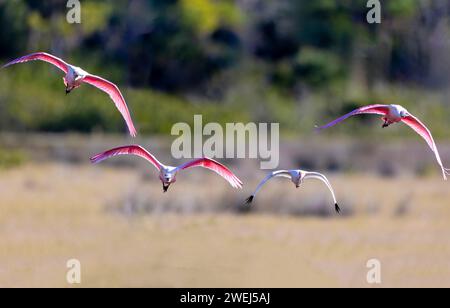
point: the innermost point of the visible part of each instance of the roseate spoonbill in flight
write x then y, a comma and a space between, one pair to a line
75, 76
167, 174
393, 114
297, 177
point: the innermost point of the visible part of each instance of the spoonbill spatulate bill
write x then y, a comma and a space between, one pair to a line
297, 177
168, 174
392, 114
76, 76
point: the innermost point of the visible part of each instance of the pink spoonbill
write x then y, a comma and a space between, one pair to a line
75, 76
393, 114
168, 174
297, 177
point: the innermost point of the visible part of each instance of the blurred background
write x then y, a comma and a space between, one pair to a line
294, 62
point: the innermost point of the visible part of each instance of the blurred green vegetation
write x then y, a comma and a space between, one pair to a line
299, 63
11, 158
41, 104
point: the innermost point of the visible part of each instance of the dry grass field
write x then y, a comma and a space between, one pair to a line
52, 212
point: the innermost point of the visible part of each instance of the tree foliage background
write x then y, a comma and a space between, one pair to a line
297, 62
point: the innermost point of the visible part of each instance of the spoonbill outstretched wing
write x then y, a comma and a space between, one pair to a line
43, 57
393, 114
425, 133
75, 76
371, 109
128, 150
216, 167
114, 93
168, 174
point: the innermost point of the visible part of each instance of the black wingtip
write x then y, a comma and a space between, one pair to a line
338, 209
249, 200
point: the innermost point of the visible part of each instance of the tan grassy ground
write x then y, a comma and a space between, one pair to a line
51, 213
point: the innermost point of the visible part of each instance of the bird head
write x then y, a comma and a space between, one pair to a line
167, 179
297, 179
404, 113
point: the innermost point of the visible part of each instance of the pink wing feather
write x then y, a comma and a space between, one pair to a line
113, 91
371, 109
43, 57
425, 133
220, 169
127, 150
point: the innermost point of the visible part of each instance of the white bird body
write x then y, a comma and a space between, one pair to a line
168, 174
297, 177
76, 76
394, 114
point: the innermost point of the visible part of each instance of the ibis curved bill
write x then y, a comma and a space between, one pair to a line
297, 177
